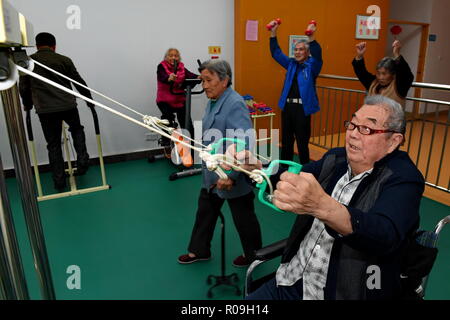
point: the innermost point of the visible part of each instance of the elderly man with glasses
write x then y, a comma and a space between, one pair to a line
357, 209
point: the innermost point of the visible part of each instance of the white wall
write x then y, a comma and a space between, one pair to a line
410, 39
411, 10
437, 63
438, 55
117, 51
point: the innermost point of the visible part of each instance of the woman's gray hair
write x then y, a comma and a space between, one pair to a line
168, 51
219, 67
396, 120
387, 63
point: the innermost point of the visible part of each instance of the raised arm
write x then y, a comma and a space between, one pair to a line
275, 50
359, 67
314, 49
404, 77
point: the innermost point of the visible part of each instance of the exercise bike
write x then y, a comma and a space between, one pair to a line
180, 155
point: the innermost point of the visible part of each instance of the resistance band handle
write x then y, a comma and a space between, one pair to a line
240, 146
294, 167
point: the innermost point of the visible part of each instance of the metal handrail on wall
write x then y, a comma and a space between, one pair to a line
427, 141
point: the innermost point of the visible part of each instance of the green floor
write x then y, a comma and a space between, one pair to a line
126, 240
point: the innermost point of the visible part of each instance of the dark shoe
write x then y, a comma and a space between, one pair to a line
81, 170
241, 262
60, 185
186, 259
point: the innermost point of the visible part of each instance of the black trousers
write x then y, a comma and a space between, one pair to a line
244, 217
295, 126
168, 112
270, 291
52, 127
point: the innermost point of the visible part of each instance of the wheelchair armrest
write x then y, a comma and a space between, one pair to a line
261, 256
271, 251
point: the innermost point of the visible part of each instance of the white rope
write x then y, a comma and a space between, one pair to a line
86, 87
78, 95
154, 124
163, 124
213, 162
261, 157
258, 176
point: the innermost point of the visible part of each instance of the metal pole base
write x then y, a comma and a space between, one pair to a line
230, 280
185, 173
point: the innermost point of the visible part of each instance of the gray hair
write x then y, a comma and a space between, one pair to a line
396, 120
303, 41
219, 67
387, 63
170, 49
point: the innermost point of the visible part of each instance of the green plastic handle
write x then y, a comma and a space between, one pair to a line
240, 146
294, 167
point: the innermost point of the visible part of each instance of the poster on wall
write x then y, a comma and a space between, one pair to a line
293, 39
251, 30
367, 27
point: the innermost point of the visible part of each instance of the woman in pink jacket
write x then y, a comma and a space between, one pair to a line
172, 73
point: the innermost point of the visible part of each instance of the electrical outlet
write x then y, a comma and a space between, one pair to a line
151, 136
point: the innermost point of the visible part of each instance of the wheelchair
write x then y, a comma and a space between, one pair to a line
419, 260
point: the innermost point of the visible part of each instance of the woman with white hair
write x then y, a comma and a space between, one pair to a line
172, 73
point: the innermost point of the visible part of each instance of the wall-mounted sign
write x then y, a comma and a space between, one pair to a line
214, 49
367, 27
293, 39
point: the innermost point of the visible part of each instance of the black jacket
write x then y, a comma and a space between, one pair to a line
403, 75
44, 97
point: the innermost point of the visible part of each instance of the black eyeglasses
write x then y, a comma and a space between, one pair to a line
363, 129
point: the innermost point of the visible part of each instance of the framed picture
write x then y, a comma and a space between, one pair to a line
293, 39
367, 27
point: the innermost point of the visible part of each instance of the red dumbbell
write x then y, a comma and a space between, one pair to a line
269, 26
310, 32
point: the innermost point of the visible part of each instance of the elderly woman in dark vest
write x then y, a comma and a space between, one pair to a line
393, 78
